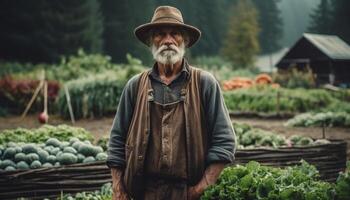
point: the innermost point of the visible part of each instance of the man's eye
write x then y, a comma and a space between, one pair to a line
175, 33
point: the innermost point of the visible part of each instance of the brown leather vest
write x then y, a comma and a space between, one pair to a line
139, 131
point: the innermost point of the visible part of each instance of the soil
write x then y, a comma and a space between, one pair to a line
101, 127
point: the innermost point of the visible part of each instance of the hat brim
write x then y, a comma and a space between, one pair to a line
142, 31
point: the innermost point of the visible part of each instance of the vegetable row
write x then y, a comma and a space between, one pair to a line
52, 153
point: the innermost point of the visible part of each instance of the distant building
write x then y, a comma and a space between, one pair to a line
327, 55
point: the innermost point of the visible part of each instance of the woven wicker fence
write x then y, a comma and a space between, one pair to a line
50, 182
329, 159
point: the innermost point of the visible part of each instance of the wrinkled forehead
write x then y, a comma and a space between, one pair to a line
166, 29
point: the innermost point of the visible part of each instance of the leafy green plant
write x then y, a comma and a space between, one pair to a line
61, 132
51, 153
295, 78
264, 99
343, 184
69, 68
105, 193
254, 181
329, 119
92, 96
250, 138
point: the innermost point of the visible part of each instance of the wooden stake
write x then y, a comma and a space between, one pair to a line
69, 104
45, 101
37, 90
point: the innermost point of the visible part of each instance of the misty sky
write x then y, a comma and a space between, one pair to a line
295, 14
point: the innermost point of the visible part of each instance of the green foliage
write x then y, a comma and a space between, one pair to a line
44, 133
67, 158
120, 19
254, 181
329, 119
294, 78
35, 155
89, 150
92, 96
270, 22
343, 184
341, 19
264, 99
221, 68
241, 42
89, 159
321, 18
211, 62
46, 30
70, 67
105, 193
101, 156
251, 138
103, 142
22, 165
8, 68
35, 164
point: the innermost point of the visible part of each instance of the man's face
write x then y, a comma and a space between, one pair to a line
168, 45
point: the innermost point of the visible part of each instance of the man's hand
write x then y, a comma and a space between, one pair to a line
119, 192
195, 192
210, 176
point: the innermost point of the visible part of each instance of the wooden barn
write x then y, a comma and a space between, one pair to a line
327, 55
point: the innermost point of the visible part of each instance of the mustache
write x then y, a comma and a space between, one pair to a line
171, 47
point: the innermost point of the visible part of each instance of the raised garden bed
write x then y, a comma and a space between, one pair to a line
329, 159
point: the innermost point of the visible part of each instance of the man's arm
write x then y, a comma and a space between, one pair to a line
116, 148
120, 127
222, 136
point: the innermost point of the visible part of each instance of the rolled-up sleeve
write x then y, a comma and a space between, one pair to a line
222, 141
121, 122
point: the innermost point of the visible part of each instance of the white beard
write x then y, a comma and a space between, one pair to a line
168, 57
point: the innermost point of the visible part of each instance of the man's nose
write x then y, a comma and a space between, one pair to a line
168, 40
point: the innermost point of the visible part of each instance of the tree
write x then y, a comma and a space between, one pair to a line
321, 19
121, 17
46, 30
270, 23
341, 19
241, 42
207, 15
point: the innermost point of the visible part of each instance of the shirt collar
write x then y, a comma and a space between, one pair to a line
185, 70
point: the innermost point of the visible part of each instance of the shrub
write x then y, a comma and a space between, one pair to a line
294, 78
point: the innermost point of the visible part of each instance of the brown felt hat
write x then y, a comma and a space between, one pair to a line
167, 16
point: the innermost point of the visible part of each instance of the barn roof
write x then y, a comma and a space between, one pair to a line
331, 45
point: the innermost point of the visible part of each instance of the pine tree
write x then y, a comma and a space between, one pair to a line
207, 15
121, 17
210, 17
46, 30
270, 23
241, 42
341, 19
321, 18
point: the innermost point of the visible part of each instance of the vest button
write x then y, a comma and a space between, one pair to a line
140, 157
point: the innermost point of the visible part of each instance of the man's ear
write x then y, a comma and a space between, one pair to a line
186, 37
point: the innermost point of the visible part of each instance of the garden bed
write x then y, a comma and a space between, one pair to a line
329, 159
51, 182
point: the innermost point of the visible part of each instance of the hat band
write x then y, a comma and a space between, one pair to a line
167, 18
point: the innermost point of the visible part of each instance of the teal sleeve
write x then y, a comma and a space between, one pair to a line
121, 122
222, 139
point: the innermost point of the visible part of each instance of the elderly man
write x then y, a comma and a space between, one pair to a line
172, 135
